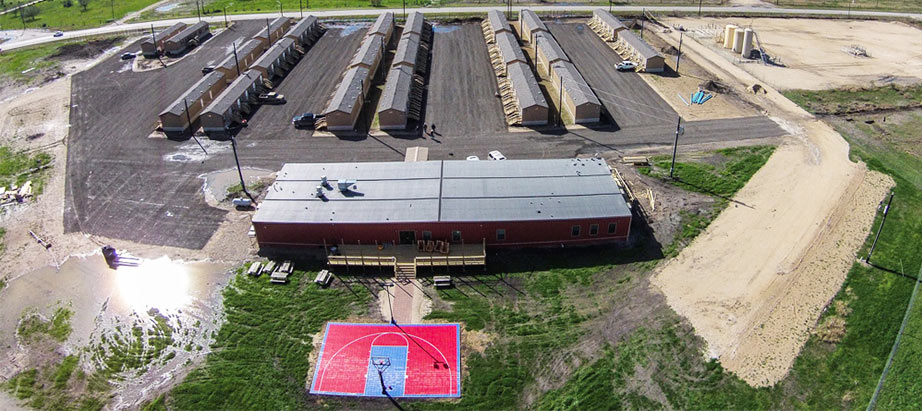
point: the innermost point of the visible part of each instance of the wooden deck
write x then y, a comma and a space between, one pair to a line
403, 257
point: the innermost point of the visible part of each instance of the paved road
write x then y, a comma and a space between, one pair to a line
447, 10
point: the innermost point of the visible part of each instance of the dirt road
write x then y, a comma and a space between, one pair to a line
754, 284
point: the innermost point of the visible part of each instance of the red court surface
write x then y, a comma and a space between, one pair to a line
420, 360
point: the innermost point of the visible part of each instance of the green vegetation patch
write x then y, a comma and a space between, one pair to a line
34, 327
260, 356
72, 14
854, 100
721, 174
19, 167
53, 387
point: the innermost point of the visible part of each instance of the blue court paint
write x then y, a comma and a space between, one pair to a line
394, 375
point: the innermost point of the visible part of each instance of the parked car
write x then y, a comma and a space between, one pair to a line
626, 66
496, 155
305, 120
242, 203
271, 98
128, 56
207, 69
473, 158
59, 34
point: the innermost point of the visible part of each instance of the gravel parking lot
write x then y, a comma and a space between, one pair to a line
123, 184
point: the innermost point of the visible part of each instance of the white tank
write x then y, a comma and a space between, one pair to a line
728, 35
738, 41
747, 43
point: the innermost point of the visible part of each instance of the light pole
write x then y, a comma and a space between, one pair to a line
679, 130
699, 8
301, 8
609, 6
678, 56
883, 220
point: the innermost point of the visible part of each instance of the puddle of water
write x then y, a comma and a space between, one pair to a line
107, 302
438, 28
166, 8
216, 183
347, 29
190, 151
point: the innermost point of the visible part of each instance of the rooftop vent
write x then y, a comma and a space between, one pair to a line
345, 185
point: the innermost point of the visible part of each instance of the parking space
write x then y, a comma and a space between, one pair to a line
462, 87
626, 97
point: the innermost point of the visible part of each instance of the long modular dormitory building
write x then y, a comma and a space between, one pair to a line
397, 104
529, 98
345, 105
530, 25
629, 45
606, 25
152, 46
247, 54
304, 31
232, 105
523, 101
175, 119
189, 37
273, 31
278, 59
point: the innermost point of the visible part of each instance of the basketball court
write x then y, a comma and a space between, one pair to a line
420, 360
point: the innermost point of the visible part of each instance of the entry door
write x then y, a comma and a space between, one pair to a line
408, 237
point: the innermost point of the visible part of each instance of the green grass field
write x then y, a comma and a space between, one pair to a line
18, 168
845, 101
54, 16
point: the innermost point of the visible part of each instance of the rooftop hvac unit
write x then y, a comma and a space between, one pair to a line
345, 185
320, 192
323, 180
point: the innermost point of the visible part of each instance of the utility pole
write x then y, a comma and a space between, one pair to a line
280, 8
198, 11
243, 183
19, 7
153, 36
236, 62
301, 8
268, 32
678, 57
404, 10
675, 147
609, 6
192, 131
699, 8
643, 15
883, 220
225, 16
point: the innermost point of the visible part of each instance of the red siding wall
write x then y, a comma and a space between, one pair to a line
519, 233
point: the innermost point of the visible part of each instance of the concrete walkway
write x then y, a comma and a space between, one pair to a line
447, 10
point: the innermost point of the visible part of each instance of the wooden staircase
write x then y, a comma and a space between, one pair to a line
405, 271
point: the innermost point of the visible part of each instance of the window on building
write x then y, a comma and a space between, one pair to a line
500, 234
612, 227
427, 235
456, 236
594, 229
574, 231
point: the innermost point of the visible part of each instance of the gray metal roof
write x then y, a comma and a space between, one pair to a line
396, 94
525, 86
189, 32
509, 47
549, 47
369, 52
640, 47
498, 21
574, 83
445, 191
349, 90
305, 25
383, 25
165, 32
274, 53
274, 26
194, 93
232, 93
407, 50
531, 20
611, 21
243, 50
414, 24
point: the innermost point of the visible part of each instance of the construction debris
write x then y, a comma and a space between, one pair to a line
856, 50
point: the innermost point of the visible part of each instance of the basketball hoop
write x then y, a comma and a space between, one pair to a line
381, 363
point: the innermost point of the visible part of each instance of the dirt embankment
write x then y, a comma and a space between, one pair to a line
755, 282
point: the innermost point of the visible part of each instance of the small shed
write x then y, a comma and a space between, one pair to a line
175, 119
190, 37
232, 105
150, 47
530, 24
343, 110
531, 101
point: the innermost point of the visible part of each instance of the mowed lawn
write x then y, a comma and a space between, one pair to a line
54, 16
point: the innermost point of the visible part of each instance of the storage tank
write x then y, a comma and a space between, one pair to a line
738, 41
747, 43
728, 35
